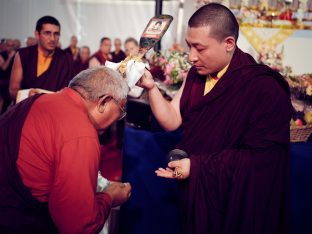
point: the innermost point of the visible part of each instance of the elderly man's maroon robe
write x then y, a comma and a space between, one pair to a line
237, 137
20, 212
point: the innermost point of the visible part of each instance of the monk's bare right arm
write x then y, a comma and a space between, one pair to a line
16, 76
167, 113
94, 63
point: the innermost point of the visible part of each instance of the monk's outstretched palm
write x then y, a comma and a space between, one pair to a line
179, 169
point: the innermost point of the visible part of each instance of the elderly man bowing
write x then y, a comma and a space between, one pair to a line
50, 157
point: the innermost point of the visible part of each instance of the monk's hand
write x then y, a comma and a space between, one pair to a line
179, 169
147, 81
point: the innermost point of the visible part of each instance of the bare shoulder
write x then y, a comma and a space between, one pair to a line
17, 60
94, 62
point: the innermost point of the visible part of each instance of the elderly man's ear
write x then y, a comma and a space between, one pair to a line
102, 103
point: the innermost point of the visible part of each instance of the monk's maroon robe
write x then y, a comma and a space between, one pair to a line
80, 66
237, 137
70, 52
56, 77
99, 56
118, 57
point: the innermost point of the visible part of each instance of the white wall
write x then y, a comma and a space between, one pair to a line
90, 20
297, 48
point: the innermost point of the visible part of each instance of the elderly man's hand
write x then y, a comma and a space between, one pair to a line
146, 81
119, 192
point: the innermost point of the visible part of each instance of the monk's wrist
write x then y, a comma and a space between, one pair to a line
153, 87
149, 85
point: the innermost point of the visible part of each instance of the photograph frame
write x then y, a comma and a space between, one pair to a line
156, 28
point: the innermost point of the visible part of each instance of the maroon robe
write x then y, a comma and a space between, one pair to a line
118, 57
80, 66
5, 74
98, 55
56, 77
4, 82
20, 212
69, 51
237, 137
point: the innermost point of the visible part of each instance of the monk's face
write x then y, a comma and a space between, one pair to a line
207, 53
84, 54
9, 45
131, 48
48, 37
117, 45
73, 41
106, 46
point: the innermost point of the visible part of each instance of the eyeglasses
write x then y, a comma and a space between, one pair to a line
123, 111
49, 34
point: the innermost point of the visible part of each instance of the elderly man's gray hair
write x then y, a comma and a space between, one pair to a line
98, 81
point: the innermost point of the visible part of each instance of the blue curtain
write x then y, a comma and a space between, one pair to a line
153, 206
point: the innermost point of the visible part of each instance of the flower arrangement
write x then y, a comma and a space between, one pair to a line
174, 65
301, 86
271, 57
301, 90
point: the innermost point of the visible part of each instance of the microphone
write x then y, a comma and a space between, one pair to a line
176, 154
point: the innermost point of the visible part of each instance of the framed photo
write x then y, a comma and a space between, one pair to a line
156, 28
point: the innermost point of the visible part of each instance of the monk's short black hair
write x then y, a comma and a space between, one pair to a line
104, 39
219, 18
131, 39
46, 20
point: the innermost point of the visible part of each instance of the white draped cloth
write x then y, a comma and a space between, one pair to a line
134, 72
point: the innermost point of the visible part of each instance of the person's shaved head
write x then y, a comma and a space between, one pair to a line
220, 19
